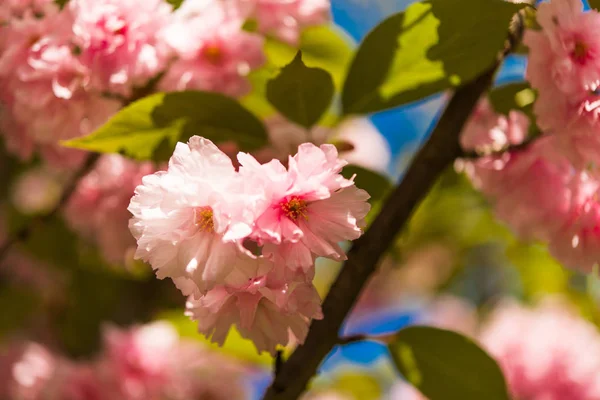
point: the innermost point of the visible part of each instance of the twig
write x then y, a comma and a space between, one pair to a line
25, 232
386, 338
278, 361
352, 339
472, 155
434, 157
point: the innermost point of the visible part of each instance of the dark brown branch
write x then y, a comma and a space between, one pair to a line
437, 154
25, 232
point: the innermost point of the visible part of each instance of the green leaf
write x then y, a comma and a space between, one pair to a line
430, 47
357, 385
175, 3
150, 127
514, 96
61, 3
373, 182
300, 93
323, 47
18, 305
444, 365
594, 4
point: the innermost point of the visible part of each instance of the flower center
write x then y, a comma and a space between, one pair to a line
203, 218
294, 208
580, 52
212, 53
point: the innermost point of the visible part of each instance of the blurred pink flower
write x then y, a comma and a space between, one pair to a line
546, 353
30, 367
37, 190
43, 89
98, 207
487, 131
117, 40
285, 19
577, 243
151, 362
529, 188
141, 359
212, 52
543, 197
72, 381
564, 67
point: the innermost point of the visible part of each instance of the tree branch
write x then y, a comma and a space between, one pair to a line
515, 148
26, 231
435, 156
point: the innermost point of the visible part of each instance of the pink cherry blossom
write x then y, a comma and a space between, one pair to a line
31, 366
266, 311
212, 51
43, 90
181, 216
571, 36
152, 362
141, 359
306, 209
529, 189
98, 207
546, 353
564, 67
576, 243
72, 381
117, 40
543, 197
285, 19
487, 131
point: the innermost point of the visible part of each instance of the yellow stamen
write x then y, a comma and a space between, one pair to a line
204, 219
580, 51
294, 208
212, 53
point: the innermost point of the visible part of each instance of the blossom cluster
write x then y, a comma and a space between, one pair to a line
547, 352
242, 243
548, 190
97, 210
64, 72
147, 362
